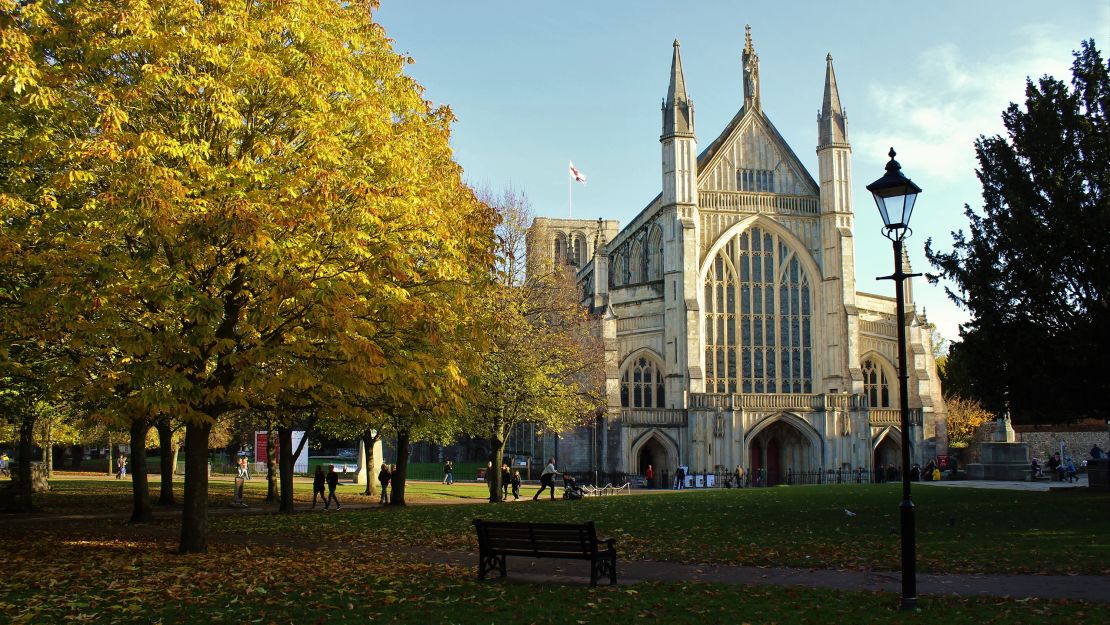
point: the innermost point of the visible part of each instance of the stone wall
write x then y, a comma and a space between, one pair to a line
1042, 444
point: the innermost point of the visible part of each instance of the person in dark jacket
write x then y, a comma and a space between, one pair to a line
383, 479
505, 477
516, 484
318, 486
333, 481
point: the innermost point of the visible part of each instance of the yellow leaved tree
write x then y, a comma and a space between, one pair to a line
253, 196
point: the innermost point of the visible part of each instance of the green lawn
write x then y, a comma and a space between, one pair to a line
966, 530
970, 531
328, 568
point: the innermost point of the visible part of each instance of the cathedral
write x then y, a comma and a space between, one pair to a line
733, 329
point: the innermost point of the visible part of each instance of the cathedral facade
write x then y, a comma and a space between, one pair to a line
734, 332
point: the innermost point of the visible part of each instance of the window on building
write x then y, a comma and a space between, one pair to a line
579, 250
642, 385
758, 315
654, 256
755, 180
875, 385
635, 263
560, 249
617, 272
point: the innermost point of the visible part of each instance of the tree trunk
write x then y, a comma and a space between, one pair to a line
498, 447
140, 488
194, 515
24, 489
58, 457
271, 473
285, 467
368, 440
111, 469
167, 462
48, 449
397, 482
78, 456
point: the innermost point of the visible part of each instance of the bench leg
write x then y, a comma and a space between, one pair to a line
604, 565
487, 563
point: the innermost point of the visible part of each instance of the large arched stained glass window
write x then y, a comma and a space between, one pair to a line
642, 385
758, 303
875, 385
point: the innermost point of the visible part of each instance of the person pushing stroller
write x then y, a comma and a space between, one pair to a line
571, 489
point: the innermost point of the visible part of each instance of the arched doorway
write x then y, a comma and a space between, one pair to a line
887, 453
777, 450
657, 450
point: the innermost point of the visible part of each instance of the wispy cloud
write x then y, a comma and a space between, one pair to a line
950, 96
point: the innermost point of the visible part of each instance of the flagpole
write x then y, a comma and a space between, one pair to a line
570, 195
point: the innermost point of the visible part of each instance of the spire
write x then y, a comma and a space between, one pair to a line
751, 71
832, 123
678, 110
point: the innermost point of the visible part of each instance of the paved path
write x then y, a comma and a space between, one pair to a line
1039, 486
546, 570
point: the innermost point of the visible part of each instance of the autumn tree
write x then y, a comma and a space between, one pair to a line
252, 180
965, 417
1034, 269
544, 361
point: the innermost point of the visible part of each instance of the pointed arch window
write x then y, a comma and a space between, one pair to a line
579, 250
635, 263
560, 249
758, 319
617, 277
653, 269
642, 384
876, 386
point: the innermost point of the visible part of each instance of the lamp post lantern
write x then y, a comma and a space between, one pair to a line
895, 196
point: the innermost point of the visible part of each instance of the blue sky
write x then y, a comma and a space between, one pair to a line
535, 84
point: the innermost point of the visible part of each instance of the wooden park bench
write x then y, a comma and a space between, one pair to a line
497, 539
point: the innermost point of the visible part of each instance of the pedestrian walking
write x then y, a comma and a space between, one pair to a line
121, 467
383, 479
547, 480
241, 477
333, 481
506, 476
448, 472
318, 486
650, 475
516, 484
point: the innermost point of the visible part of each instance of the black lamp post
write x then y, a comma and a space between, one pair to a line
895, 195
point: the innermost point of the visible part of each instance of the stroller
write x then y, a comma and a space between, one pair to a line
571, 489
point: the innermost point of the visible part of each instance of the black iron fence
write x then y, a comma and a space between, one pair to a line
757, 478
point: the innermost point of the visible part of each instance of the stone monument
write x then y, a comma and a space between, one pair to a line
1002, 458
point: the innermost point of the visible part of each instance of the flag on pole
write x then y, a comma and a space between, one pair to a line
578, 176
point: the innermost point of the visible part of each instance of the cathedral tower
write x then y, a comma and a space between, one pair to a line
680, 233
834, 155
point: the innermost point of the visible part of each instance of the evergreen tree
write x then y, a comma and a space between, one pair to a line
1034, 272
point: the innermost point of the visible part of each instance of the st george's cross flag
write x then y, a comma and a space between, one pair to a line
578, 176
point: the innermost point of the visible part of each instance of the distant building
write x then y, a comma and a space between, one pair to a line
733, 326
